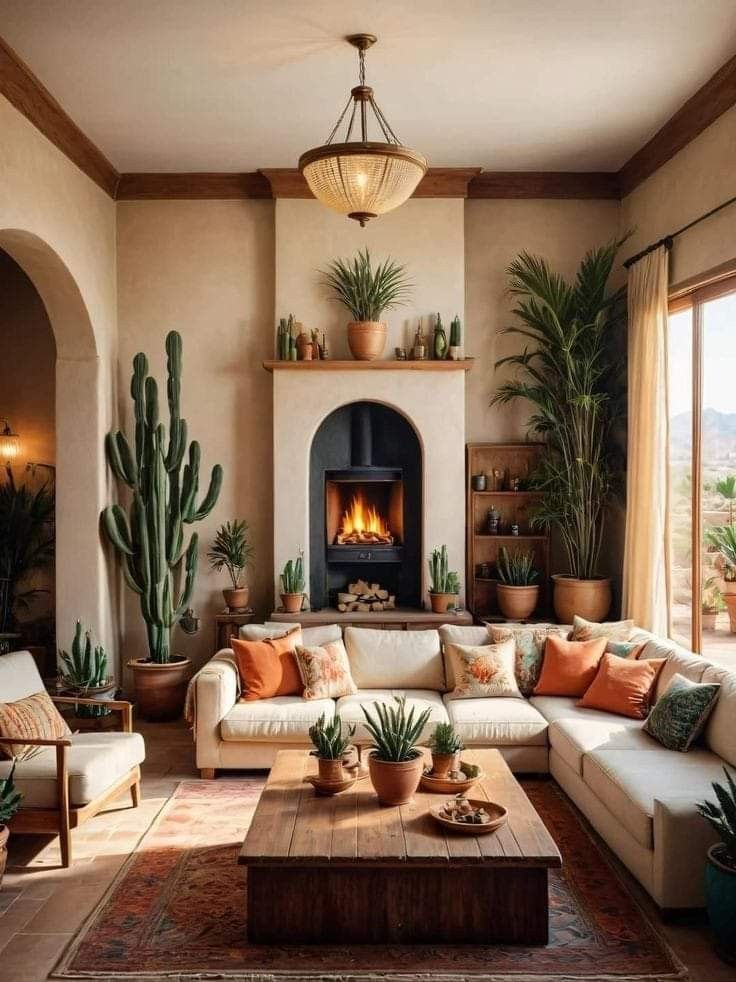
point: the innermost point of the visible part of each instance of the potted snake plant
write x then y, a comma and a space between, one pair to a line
232, 551
444, 585
517, 591
720, 870
84, 674
367, 292
331, 742
395, 762
10, 800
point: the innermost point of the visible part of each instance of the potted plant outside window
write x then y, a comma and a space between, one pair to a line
9, 804
150, 539
720, 871
292, 585
444, 583
723, 539
84, 674
331, 742
445, 745
232, 551
395, 763
367, 293
570, 371
712, 604
517, 592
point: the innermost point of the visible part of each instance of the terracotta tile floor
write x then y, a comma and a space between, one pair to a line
42, 906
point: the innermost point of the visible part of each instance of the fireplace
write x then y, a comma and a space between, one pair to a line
365, 504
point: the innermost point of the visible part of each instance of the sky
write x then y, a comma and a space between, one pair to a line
719, 357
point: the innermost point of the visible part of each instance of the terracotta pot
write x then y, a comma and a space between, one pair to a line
292, 602
104, 692
517, 602
4, 836
730, 601
590, 599
442, 764
304, 347
237, 600
441, 602
366, 339
729, 587
395, 783
160, 689
708, 620
330, 770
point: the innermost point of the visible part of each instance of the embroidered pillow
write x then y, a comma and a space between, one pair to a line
583, 630
268, 668
483, 671
626, 649
529, 649
325, 671
623, 686
569, 666
681, 712
35, 716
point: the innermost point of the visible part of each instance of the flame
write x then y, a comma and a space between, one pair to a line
361, 521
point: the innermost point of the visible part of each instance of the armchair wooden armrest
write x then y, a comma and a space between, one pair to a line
36, 741
118, 705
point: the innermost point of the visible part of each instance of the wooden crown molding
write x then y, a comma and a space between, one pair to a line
146, 187
31, 98
544, 184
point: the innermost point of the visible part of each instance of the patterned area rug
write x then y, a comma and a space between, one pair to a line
177, 912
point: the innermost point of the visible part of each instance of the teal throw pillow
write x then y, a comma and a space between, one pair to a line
681, 712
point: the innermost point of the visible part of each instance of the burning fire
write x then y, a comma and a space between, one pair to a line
361, 524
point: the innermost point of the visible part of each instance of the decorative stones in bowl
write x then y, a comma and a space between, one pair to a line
470, 816
455, 782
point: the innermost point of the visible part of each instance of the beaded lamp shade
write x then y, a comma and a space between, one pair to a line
362, 178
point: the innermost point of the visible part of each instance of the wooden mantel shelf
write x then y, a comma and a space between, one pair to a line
361, 366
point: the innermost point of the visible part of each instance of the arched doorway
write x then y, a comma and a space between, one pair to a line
81, 577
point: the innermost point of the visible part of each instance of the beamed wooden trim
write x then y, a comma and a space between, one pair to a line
709, 102
544, 184
31, 98
201, 186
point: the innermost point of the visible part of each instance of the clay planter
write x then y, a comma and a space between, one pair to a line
708, 620
730, 601
103, 692
304, 347
292, 602
4, 836
517, 602
395, 783
442, 764
590, 599
237, 600
720, 899
330, 770
160, 689
366, 339
441, 602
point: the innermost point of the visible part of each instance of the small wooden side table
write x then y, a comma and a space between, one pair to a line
227, 625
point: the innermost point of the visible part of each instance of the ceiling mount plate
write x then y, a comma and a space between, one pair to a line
361, 41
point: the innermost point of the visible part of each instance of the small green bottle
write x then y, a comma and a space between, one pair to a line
440, 340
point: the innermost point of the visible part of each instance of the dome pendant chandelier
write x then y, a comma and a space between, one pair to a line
362, 178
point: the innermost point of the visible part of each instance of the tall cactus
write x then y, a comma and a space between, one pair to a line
151, 540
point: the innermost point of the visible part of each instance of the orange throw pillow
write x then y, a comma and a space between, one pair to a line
268, 668
569, 666
622, 686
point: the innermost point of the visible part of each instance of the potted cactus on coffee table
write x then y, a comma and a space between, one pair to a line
331, 742
444, 582
149, 539
445, 744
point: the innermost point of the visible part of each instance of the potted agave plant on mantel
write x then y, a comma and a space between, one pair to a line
367, 293
395, 763
150, 540
444, 587
232, 551
570, 373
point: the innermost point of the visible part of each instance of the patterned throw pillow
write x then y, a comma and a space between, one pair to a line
681, 712
529, 641
583, 630
325, 671
626, 649
483, 671
35, 716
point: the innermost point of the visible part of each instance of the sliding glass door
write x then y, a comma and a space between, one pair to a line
702, 397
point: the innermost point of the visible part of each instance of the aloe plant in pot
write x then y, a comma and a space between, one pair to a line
395, 762
367, 292
720, 871
570, 373
517, 591
232, 551
445, 744
150, 540
331, 742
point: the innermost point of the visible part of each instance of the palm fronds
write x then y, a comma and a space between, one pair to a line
364, 291
231, 550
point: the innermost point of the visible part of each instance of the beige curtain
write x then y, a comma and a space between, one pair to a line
646, 549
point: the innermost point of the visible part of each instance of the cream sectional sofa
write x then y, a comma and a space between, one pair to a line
639, 796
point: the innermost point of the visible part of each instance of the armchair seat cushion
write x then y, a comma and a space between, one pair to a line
418, 699
95, 762
281, 719
497, 722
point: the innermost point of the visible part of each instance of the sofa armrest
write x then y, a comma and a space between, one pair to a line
681, 840
216, 692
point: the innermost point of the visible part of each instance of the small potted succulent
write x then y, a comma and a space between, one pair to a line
367, 293
232, 551
84, 674
292, 585
516, 591
720, 870
445, 583
331, 742
445, 745
395, 763
712, 604
9, 804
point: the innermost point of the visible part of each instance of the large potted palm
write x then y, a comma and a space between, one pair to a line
570, 375
150, 539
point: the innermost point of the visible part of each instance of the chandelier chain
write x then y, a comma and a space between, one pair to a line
388, 132
361, 66
341, 117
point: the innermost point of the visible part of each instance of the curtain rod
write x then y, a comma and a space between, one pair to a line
668, 240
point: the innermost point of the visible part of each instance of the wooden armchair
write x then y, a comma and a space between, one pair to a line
84, 773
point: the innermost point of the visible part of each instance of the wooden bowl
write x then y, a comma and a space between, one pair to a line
498, 815
331, 787
443, 785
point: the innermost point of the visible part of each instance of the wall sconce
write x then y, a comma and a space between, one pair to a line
9, 443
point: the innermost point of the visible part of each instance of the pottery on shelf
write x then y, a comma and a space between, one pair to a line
367, 339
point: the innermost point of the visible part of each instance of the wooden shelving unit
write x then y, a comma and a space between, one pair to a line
514, 460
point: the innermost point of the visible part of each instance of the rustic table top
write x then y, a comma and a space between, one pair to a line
294, 825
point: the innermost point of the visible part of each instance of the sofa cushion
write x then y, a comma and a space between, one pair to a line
679, 661
681, 712
420, 699
497, 722
268, 668
282, 719
463, 634
584, 630
19, 676
33, 717
325, 671
623, 686
529, 641
569, 666
321, 634
483, 671
95, 762
720, 732
628, 782
395, 659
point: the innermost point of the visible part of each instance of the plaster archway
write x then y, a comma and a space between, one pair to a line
80, 477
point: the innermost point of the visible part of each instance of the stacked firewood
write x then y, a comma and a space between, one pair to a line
365, 597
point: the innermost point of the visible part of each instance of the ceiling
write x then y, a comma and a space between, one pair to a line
234, 85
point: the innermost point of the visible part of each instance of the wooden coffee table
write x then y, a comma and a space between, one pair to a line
346, 869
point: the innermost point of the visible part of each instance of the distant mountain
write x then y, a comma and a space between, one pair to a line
719, 434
